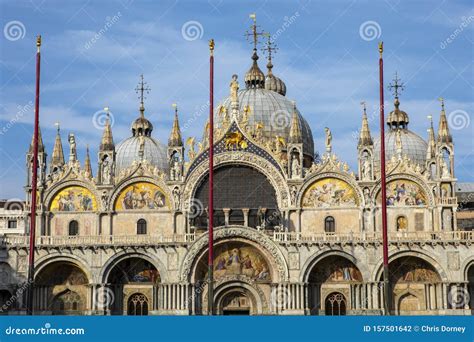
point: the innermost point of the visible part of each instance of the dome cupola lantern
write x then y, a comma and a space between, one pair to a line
254, 78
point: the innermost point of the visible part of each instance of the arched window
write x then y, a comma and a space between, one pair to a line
335, 304
137, 305
141, 226
73, 228
329, 225
402, 223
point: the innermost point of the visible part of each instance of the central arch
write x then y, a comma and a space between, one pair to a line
331, 279
245, 196
272, 253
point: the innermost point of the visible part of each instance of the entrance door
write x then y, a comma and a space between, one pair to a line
236, 303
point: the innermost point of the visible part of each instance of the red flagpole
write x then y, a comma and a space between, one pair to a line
31, 257
211, 182
384, 189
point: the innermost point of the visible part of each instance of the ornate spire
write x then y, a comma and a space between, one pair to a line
365, 139
397, 118
254, 78
430, 153
107, 142
40, 142
87, 163
296, 137
443, 129
175, 138
57, 158
142, 126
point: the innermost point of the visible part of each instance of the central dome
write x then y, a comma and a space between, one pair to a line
271, 109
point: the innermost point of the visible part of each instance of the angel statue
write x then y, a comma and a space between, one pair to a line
328, 140
191, 153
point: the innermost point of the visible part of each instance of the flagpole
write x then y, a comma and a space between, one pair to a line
211, 181
31, 257
384, 189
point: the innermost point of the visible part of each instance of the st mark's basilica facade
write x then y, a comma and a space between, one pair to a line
298, 233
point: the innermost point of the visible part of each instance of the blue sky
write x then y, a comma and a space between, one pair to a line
94, 51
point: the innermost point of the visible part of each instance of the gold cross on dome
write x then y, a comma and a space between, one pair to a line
253, 32
141, 88
270, 47
396, 86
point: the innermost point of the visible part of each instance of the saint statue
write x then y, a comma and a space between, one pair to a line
366, 168
176, 198
444, 169
105, 171
234, 89
398, 142
295, 167
328, 140
72, 147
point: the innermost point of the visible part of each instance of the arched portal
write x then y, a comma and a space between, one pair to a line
331, 281
411, 280
133, 282
65, 286
237, 301
245, 197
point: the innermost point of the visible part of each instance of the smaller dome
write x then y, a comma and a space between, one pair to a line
412, 145
130, 150
275, 84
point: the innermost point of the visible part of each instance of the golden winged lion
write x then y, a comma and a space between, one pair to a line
235, 140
